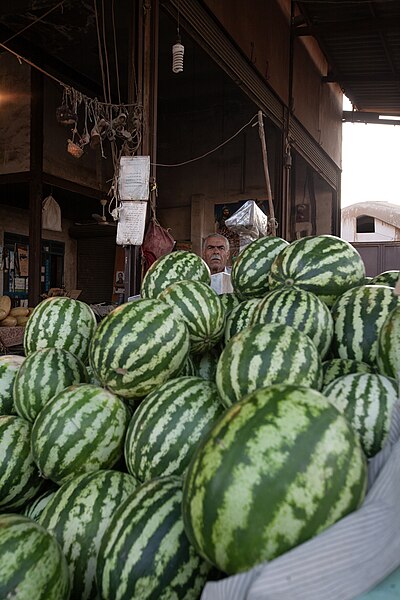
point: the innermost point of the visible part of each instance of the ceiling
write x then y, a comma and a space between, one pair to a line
361, 41
360, 38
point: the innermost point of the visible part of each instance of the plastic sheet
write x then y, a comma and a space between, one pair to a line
249, 222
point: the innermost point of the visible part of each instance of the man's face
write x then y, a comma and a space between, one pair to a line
215, 254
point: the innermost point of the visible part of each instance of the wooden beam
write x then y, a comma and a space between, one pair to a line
35, 187
71, 186
351, 27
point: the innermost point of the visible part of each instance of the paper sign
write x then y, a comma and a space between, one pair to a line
131, 224
134, 177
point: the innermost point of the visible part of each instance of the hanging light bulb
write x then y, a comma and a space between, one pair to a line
177, 56
178, 51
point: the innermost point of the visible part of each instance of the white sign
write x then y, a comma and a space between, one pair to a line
134, 177
131, 224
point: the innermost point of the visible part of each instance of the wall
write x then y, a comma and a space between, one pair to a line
262, 31
384, 232
13, 220
14, 115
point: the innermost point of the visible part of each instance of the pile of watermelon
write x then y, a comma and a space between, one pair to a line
191, 436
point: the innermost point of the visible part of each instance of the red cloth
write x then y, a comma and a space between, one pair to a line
157, 242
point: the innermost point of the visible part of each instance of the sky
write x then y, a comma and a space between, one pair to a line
370, 162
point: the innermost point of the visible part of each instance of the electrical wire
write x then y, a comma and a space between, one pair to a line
115, 51
186, 162
105, 50
100, 52
34, 22
22, 59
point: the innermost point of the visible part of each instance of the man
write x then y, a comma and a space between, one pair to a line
216, 252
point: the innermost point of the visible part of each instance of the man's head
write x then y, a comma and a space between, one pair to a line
216, 252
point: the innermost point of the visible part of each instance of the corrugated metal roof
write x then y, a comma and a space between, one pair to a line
361, 41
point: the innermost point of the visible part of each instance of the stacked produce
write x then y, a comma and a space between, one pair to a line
189, 430
12, 317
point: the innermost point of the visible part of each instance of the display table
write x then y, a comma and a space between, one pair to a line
11, 336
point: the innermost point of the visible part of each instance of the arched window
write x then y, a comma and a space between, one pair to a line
365, 224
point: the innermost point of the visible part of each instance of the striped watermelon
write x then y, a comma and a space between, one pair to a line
188, 367
78, 516
60, 323
139, 346
19, 477
9, 367
358, 317
145, 553
251, 268
80, 430
229, 302
300, 309
240, 317
263, 355
35, 507
201, 309
366, 400
176, 266
205, 365
43, 375
32, 565
389, 278
277, 469
337, 367
325, 265
167, 426
388, 350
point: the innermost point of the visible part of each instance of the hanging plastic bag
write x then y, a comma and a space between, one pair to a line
51, 214
249, 222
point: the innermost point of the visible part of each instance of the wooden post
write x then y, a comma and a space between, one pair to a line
266, 173
35, 187
143, 62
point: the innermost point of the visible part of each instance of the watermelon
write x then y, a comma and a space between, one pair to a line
188, 367
9, 367
388, 350
82, 429
145, 553
139, 346
35, 507
263, 355
43, 374
240, 317
229, 302
19, 476
60, 323
167, 426
276, 470
32, 565
201, 309
78, 515
205, 365
337, 367
389, 278
324, 264
173, 267
366, 400
300, 309
251, 268
358, 316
